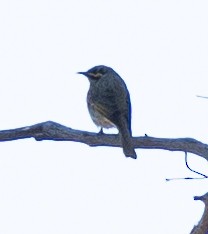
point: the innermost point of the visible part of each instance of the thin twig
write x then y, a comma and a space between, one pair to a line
189, 178
199, 173
201, 96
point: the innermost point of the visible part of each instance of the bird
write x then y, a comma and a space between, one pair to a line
109, 104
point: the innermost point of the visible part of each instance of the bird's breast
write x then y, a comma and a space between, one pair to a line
98, 118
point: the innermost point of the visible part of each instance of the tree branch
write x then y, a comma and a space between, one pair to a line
202, 227
53, 131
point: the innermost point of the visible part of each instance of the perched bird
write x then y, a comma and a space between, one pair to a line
109, 104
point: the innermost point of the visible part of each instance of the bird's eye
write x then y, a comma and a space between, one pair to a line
101, 71
96, 74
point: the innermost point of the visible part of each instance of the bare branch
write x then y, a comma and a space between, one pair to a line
53, 131
202, 227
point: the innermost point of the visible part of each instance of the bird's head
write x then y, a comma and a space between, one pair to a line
95, 73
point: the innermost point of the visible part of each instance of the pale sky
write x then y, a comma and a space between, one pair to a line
160, 49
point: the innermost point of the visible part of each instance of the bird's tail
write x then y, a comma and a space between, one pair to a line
126, 141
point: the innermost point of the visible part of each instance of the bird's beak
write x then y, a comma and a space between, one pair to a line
83, 73
201, 198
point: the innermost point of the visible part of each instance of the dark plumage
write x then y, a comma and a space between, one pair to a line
109, 104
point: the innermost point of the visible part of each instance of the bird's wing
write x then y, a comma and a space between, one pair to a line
114, 103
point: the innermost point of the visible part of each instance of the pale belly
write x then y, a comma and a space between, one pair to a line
100, 120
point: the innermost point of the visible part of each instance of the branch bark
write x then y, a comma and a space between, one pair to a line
202, 227
53, 131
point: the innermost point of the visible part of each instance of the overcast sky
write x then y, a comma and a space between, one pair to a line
160, 49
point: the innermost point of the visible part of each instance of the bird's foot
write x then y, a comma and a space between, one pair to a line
101, 132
